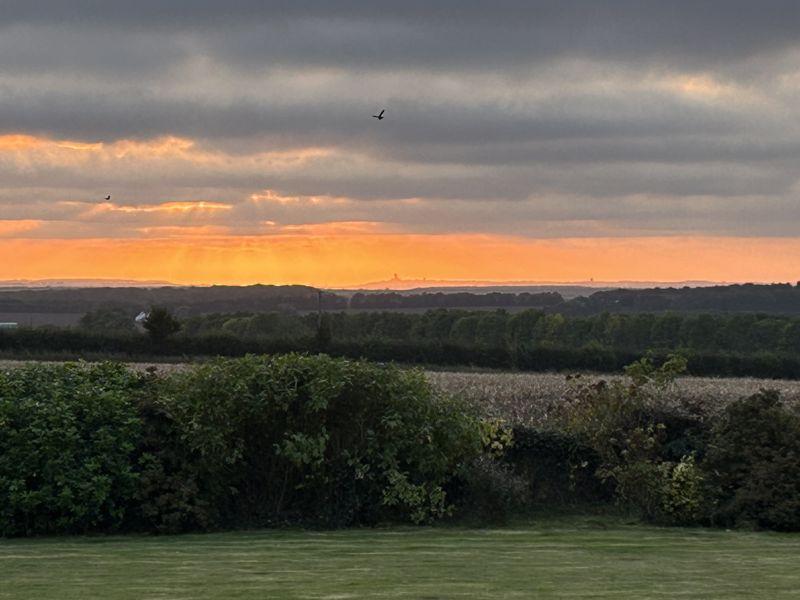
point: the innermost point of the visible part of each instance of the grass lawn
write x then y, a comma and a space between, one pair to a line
563, 558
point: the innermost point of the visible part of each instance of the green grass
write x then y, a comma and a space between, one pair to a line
575, 558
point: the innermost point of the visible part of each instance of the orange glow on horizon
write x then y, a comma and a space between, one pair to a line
341, 259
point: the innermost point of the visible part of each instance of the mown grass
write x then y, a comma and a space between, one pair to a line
564, 558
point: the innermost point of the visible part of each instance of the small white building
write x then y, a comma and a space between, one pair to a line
139, 320
9, 325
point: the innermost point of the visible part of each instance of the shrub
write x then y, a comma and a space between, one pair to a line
557, 466
492, 491
67, 434
253, 441
683, 497
317, 439
167, 497
627, 426
753, 464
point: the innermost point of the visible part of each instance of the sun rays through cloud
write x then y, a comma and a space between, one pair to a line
225, 131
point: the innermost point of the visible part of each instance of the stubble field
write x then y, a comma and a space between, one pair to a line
528, 398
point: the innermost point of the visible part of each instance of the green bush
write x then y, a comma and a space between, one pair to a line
252, 441
753, 464
270, 440
492, 491
312, 438
559, 468
683, 494
645, 450
168, 498
67, 436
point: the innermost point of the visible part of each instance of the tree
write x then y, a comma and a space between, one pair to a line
108, 320
160, 324
324, 335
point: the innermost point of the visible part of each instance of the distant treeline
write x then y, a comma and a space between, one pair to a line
733, 344
190, 301
182, 300
741, 333
781, 298
395, 300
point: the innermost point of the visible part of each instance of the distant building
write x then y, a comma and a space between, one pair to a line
139, 320
9, 325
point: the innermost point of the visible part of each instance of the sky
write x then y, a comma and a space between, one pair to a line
523, 140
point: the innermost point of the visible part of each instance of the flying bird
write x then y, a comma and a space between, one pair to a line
379, 116
108, 197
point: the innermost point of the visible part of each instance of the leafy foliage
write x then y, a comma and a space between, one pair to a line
270, 440
720, 344
67, 437
622, 423
492, 491
108, 320
253, 441
160, 324
558, 466
753, 464
335, 441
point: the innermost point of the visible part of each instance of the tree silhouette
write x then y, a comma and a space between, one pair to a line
324, 335
160, 324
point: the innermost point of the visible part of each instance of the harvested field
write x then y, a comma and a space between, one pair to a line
526, 398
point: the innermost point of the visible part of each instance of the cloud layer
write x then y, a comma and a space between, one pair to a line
570, 119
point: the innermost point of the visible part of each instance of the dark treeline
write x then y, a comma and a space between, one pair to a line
181, 300
395, 300
781, 298
732, 344
189, 301
739, 333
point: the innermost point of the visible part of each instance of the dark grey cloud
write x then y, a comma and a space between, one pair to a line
88, 51
134, 112
453, 30
504, 106
149, 36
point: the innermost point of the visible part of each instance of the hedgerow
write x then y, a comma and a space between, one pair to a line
67, 437
320, 441
246, 442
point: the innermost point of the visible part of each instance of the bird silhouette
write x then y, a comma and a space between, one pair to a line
108, 197
379, 116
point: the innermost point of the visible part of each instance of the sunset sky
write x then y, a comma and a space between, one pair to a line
523, 140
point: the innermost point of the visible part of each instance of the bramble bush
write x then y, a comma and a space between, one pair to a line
636, 440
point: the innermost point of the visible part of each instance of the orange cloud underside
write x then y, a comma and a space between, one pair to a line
170, 207
345, 259
17, 227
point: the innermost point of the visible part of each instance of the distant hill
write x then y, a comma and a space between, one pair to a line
79, 283
566, 291
412, 285
183, 300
